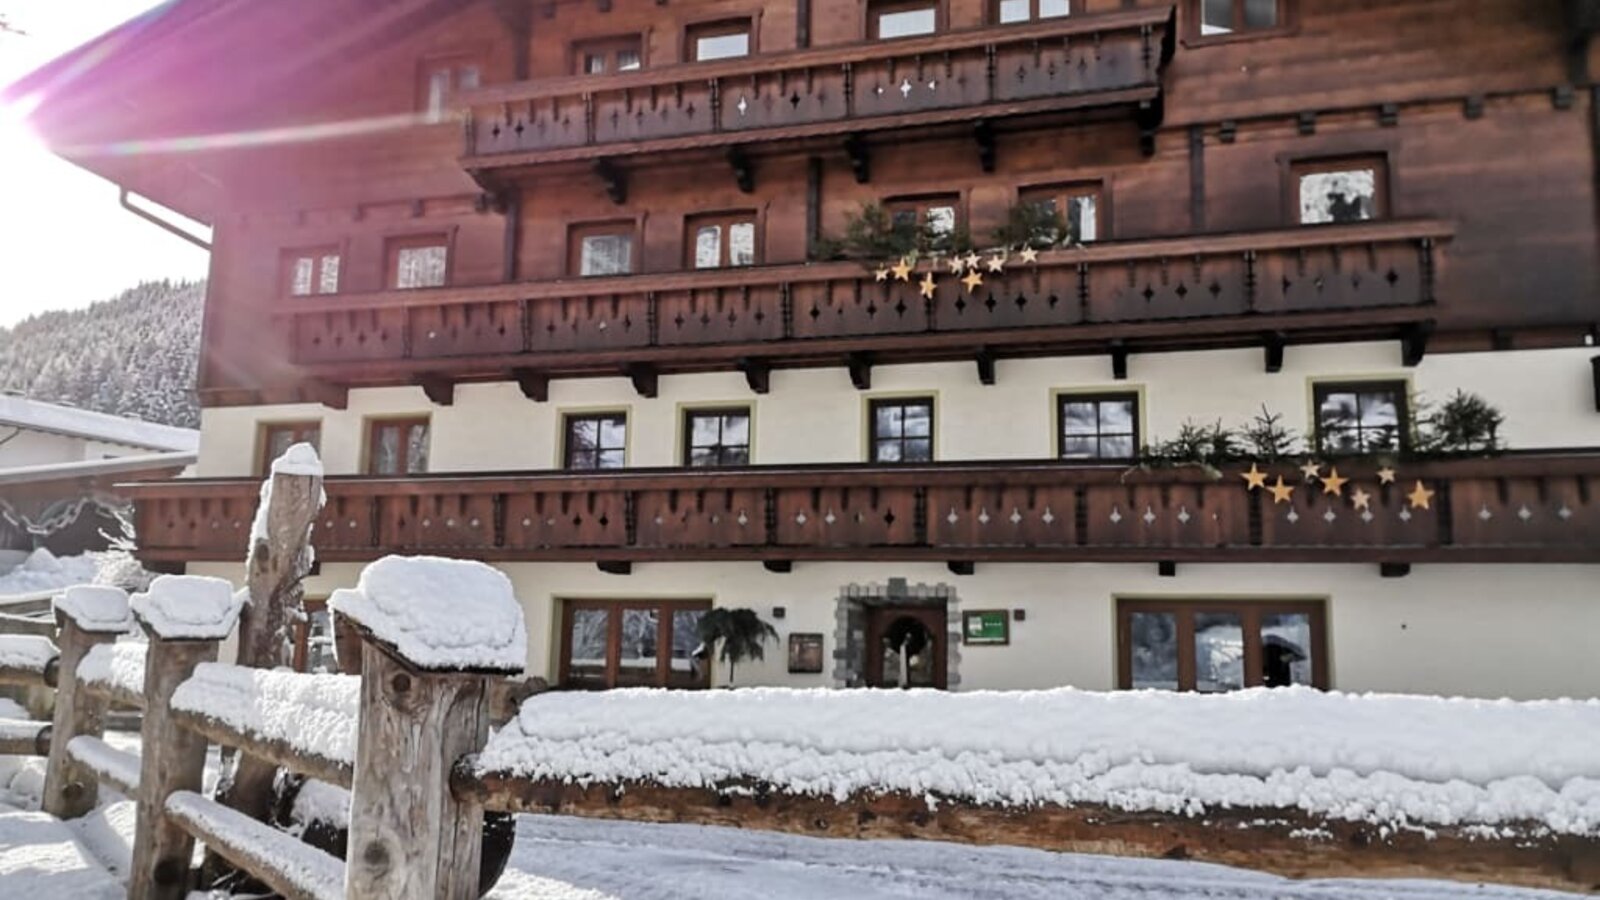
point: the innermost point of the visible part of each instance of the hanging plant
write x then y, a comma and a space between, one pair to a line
741, 633
872, 234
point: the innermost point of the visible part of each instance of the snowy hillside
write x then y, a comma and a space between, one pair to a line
133, 355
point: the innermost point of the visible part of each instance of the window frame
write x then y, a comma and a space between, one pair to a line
724, 220
1249, 611
370, 434
1063, 191
875, 10
318, 254
687, 445
569, 417
1288, 23
577, 231
395, 243
297, 427
694, 32
664, 610
1033, 13
921, 203
1301, 166
876, 403
1097, 397
1402, 390
455, 63
582, 49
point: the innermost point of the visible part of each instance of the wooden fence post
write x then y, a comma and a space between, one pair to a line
186, 618
423, 707
87, 616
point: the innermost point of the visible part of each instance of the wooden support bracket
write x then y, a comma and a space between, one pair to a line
983, 133
616, 180
645, 377
1594, 366
333, 396
744, 172
1119, 360
1149, 116
985, 360
1167, 568
535, 385
860, 158
1414, 344
441, 391
779, 566
860, 370
1273, 345
757, 374
962, 567
615, 566
1394, 569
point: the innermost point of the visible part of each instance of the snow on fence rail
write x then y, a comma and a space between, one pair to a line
115, 672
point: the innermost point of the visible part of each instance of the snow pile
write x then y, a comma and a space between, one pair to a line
44, 571
26, 652
119, 666
442, 614
1380, 758
299, 459
314, 714
183, 607
319, 801
40, 859
96, 609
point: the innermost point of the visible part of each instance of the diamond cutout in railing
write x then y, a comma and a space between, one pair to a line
1329, 516
1524, 513
1564, 512
1048, 517
983, 516
1116, 515
1183, 515
953, 517
1149, 516
1292, 516
1016, 516
1405, 515
1484, 513
800, 518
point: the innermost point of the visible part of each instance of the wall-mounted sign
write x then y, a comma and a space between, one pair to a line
985, 626
805, 653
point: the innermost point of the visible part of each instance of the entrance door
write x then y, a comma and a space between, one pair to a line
906, 647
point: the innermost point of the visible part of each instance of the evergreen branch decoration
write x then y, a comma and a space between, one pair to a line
741, 633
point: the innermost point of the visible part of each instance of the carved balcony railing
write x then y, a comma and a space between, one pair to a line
1044, 67
1517, 508
1364, 280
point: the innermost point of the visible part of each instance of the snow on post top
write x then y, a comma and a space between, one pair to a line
188, 607
299, 459
439, 614
96, 608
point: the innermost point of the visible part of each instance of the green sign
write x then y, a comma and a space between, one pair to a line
986, 626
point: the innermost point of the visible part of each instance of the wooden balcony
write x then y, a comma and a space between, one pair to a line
1517, 508
1366, 280
1072, 63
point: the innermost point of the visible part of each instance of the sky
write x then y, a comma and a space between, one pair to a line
65, 242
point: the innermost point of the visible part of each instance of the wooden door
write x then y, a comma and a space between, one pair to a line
920, 630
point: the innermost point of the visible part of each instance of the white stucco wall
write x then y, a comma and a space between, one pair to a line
815, 416
1487, 631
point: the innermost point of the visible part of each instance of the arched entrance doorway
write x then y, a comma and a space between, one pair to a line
906, 647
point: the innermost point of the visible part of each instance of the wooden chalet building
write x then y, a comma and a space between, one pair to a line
551, 283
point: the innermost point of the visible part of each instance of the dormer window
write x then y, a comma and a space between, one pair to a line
440, 80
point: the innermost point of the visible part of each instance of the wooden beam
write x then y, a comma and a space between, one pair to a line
615, 179
1166, 568
1119, 360
1594, 367
1389, 115
1414, 344
70, 789
441, 391
1149, 115
534, 385
645, 377
744, 173
1272, 347
1197, 178
1306, 123
813, 205
860, 365
962, 567
985, 360
615, 566
855, 147
333, 396
983, 134
778, 566
757, 374
1394, 569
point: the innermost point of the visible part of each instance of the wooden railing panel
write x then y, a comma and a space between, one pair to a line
857, 306
1169, 288
357, 334
784, 97
438, 522
701, 518
1003, 516
345, 524
1340, 277
1304, 521
466, 329
564, 520
1541, 512
846, 517
1173, 515
720, 315
896, 85
595, 322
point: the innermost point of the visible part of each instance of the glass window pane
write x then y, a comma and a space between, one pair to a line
582, 434
1079, 417
1116, 416
1013, 11
1286, 650
417, 450
1116, 447
888, 451
588, 637
594, 63
704, 430
1337, 409
584, 458
736, 456
1260, 13
438, 88
742, 244
941, 220
329, 282
886, 421
722, 46
708, 247
903, 218
907, 22
639, 632
1079, 447
611, 459
606, 254
918, 420
278, 441
386, 450
918, 450
736, 430
704, 457
1218, 652
1051, 9
1155, 650
685, 638
628, 60
1344, 196
418, 267
1216, 16
300, 283
1081, 223
613, 434
1378, 409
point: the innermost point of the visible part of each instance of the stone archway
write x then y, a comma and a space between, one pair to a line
851, 630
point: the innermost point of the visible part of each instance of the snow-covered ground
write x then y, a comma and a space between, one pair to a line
44, 571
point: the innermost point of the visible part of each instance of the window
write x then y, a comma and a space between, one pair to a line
442, 79
633, 643
311, 271
620, 54
716, 437
938, 214
1220, 17
280, 436
1072, 210
902, 429
595, 441
1008, 11
902, 18
1215, 647
1341, 190
1361, 417
605, 249
313, 639
418, 262
397, 447
714, 242
1099, 426
718, 40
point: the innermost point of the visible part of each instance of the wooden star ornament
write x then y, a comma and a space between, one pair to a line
1311, 470
881, 275
997, 263
1255, 478
1332, 483
926, 285
1386, 475
1029, 255
973, 280
902, 271
1360, 499
1420, 497
957, 265
1281, 493
973, 260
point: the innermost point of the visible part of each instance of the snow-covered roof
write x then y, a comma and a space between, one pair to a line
56, 419
94, 468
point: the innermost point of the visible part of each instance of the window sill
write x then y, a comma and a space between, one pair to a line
1239, 37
